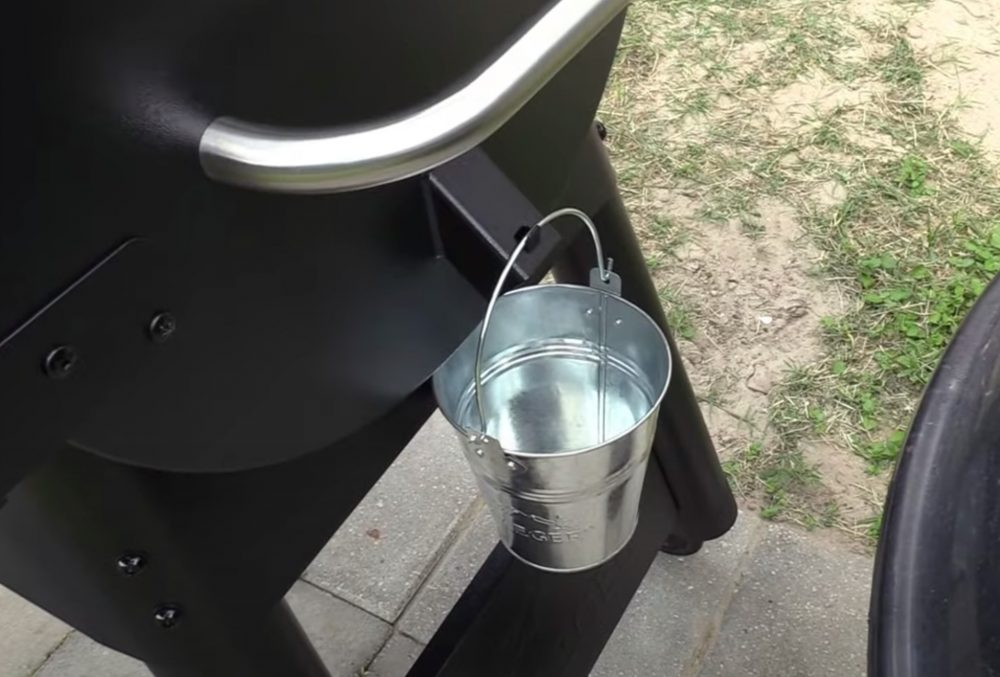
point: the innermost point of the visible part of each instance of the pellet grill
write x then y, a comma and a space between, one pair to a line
238, 238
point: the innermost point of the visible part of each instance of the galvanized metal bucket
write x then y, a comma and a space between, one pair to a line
555, 397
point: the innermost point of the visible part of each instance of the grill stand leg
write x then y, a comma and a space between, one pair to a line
705, 504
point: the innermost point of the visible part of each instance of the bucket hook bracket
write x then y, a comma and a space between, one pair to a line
611, 284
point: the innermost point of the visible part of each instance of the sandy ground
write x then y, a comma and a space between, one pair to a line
965, 38
758, 302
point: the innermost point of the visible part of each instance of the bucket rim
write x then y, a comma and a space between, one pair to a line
654, 407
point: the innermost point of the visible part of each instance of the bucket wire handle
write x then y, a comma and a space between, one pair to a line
603, 271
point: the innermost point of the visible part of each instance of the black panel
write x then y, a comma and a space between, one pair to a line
274, 353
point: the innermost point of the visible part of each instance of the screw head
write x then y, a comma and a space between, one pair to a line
162, 326
167, 615
602, 130
60, 362
131, 563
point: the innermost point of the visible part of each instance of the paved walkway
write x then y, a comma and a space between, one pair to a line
765, 600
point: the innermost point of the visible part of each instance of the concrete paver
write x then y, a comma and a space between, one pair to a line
345, 637
435, 599
27, 635
396, 657
80, 656
383, 552
800, 611
678, 607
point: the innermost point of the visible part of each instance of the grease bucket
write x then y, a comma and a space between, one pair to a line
555, 397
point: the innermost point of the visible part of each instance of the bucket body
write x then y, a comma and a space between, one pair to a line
571, 382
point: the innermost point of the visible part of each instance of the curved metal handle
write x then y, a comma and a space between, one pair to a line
604, 272
283, 160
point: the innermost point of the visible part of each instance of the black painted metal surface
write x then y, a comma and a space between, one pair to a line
936, 598
198, 383
102, 148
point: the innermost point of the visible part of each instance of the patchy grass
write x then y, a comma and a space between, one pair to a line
912, 237
917, 239
678, 313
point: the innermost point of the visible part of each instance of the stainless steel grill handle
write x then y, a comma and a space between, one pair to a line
284, 160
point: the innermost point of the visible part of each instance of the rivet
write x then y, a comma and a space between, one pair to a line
162, 326
167, 615
618, 323
60, 362
511, 465
479, 452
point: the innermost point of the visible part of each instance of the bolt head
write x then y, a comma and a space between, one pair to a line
131, 563
162, 327
602, 130
167, 615
60, 362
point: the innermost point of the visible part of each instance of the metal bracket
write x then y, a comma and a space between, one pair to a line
612, 285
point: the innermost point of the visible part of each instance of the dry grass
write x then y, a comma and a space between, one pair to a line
813, 106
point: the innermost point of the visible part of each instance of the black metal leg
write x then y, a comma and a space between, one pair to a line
276, 645
706, 507
678, 544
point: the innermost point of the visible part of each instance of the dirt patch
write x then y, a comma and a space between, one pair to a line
964, 37
877, 12
757, 311
828, 193
857, 492
805, 102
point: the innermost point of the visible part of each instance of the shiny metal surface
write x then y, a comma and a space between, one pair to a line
602, 274
544, 398
284, 160
562, 475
